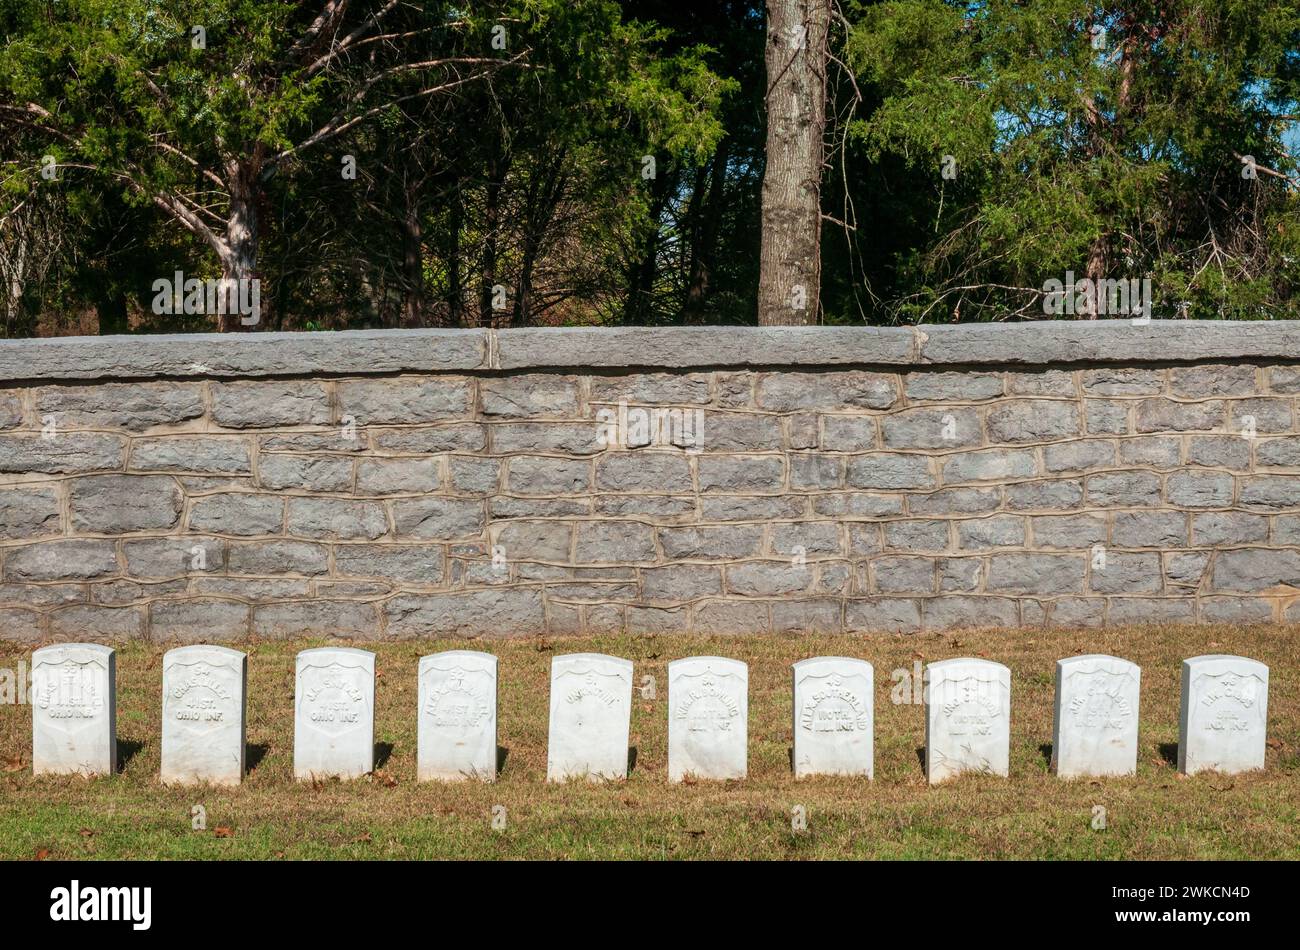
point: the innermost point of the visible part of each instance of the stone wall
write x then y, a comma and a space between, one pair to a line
420, 483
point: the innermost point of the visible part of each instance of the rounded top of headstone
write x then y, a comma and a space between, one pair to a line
577, 659
349, 656
60, 651
710, 662
472, 657
817, 660
942, 666
1094, 659
1227, 659
200, 650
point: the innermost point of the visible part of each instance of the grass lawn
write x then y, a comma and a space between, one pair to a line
1155, 814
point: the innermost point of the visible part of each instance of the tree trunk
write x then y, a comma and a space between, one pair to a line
705, 246
413, 306
789, 282
491, 231
455, 291
643, 271
239, 262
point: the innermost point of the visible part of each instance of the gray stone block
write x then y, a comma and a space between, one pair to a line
1150, 610
1255, 569
1033, 420
810, 471
711, 542
988, 465
543, 475
405, 400
614, 542
1080, 456
71, 453
848, 433
1270, 491
116, 504
474, 476
957, 612
999, 531
1127, 574
91, 623
679, 583
1069, 532
737, 473
1057, 495
849, 505
238, 513
1149, 529
809, 616
174, 557
455, 437
1036, 573
133, 407
956, 501
396, 476
882, 615
429, 518
644, 470
903, 575
652, 389
952, 386
1123, 381
529, 395
1223, 528
1217, 379
199, 620
568, 438
807, 538
1167, 415
1193, 489
260, 405
1106, 416
276, 557
939, 427
789, 392
338, 518
739, 432
220, 455
496, 612
889, 472
29, 513
730, 618
1158, 451
916, 535
317, 618
306, 472
1130, 489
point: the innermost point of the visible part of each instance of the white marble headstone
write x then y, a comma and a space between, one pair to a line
1224, 714
591, 716
334, 724
1095, 721
968, 718
458, 716
708, 717
74, 710
834, 714
203, 720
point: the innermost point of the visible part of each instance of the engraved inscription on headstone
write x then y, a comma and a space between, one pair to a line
1222, 723
968, 718
591, 716
708, 716
833, 717
74, 710
458, 716
334, 724
203, 728
1095, 721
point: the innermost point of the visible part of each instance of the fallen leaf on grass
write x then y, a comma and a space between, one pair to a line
363, 838
383, 778
42, 854
86, 832
15, 764
1275, 743
695, 834
630, 803
221, 831
542, 645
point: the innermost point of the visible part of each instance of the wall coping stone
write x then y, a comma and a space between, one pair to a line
386, 352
